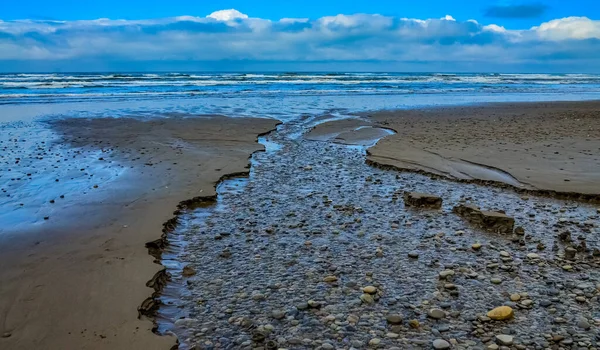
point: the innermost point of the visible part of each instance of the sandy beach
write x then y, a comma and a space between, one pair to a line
76, 280
315, 248
553, 147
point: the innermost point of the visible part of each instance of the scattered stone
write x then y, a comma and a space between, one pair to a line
370, 290
503, 339
330, 279
374, 342
436, 314
501, 313
476, 246
515, 297
414, 324
583, 323
6, 335
413, 255
570, 253
422, 200
367, 298
188, 271
446, 273
532, 256
394, 319
441, 344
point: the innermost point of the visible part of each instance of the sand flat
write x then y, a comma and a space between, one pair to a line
75, 281
543, 146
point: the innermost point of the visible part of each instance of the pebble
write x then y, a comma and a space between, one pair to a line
440, 344
504, 339
476, 246
330, 279
501, 313
394, 319
436, 314
370, 290
446, 273
583, 323
515, 297
374, 342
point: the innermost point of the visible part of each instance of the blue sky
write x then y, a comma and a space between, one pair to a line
429, 35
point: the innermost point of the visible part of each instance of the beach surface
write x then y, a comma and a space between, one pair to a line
75, 273
553, 147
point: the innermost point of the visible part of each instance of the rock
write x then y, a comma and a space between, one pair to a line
496, 280
188, 271
394, 319
519, 231
440, 344
570, 253
374, 342
414, 324
446, 273
504, 339
278, 314
487, 220
6, 335
330, 279
532, 256
501, 313
367, 298
436, 314
413, 255
422, 200
515, 297
314, 304
370, 290
583, 323
476, 246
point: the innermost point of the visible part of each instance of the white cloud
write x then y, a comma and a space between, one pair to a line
227, 15
569, 28
232, 35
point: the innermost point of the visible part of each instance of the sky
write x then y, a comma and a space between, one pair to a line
309, 35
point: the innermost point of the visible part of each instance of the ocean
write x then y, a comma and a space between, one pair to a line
279, 95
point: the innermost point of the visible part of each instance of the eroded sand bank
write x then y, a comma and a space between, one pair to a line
539, 146
75, 280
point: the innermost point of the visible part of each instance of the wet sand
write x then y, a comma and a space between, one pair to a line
539, 146
75, 273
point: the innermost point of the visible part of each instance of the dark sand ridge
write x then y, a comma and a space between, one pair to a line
76, 281
537, 146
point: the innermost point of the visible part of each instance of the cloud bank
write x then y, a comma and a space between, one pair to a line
231, 36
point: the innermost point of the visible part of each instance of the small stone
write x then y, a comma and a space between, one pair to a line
6, 335
370, 290
314, 304
583, 323
441, 344
330, 279
422, 200
414, 324
394, 319
567, 267
374, 342
527, 302
446, 273
367, 298
496, 280
532, 256
515, 297
504, 339
476, 246
413, 255
501, 313
278, 314
188, 271
436, 314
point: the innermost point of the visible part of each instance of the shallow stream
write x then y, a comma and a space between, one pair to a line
282, 259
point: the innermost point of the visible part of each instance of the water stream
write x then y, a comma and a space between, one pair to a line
281, 260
